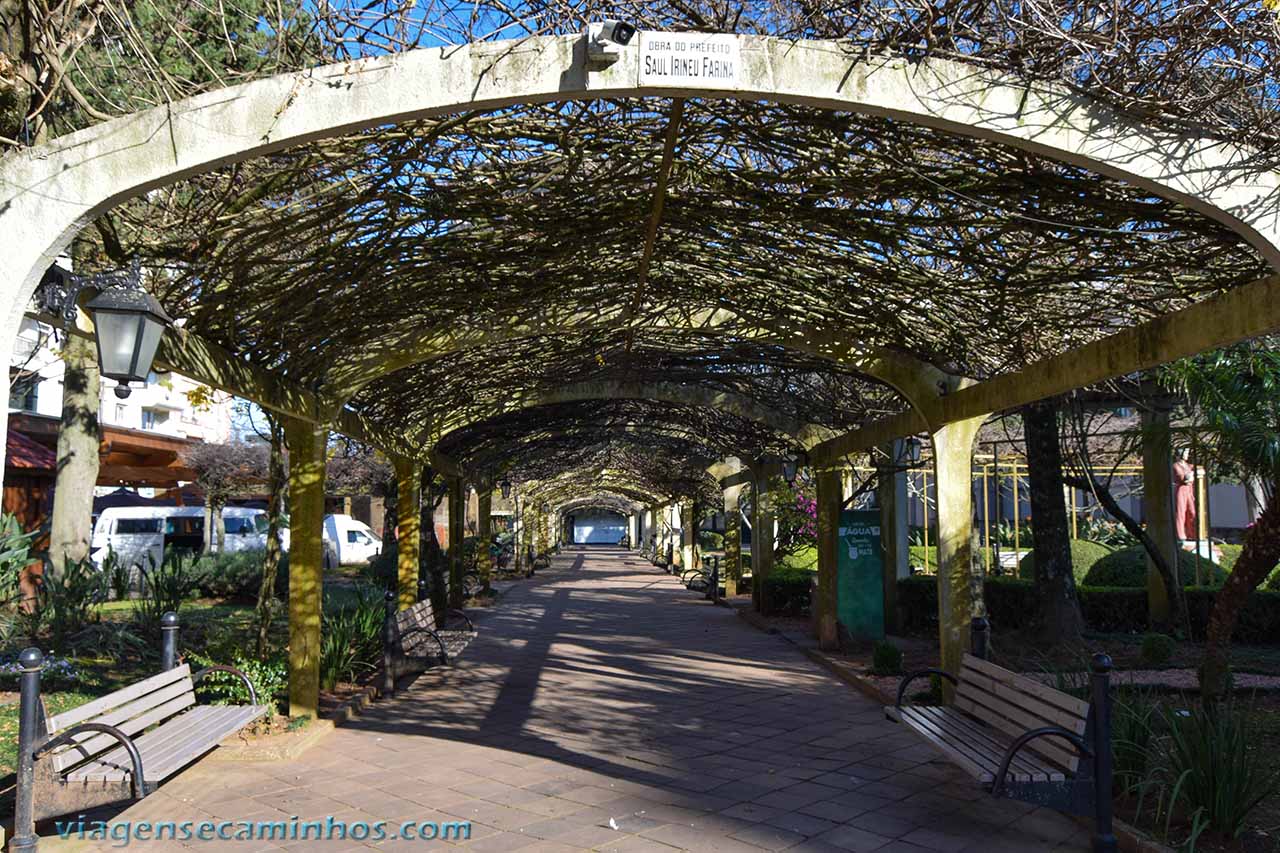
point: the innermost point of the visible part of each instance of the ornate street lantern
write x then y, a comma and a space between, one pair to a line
790, 467
911, 444
127, 321
504, 486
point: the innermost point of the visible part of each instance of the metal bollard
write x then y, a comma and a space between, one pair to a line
980, 637
390, 640
168, 641
423, 589
714, 592
24, 822
1104, 837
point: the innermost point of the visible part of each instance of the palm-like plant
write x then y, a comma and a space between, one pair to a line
1235, 393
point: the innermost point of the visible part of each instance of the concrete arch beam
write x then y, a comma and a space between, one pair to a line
806, 435
47, 194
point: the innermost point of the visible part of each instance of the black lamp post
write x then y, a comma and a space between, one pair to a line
127, 321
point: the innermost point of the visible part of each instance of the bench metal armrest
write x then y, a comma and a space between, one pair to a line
68, 737
920, 673
997, 785
217, 667
465, 618
421, 629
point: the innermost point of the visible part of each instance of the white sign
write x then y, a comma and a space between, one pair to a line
678, 59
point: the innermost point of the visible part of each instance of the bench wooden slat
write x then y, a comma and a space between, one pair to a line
990, 745
1007, 719
67, 719
1072, 706
1004, 698
208, 728
985, 747
978, 762
91, 744
174, 744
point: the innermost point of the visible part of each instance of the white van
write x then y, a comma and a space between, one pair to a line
134, 532
349, 541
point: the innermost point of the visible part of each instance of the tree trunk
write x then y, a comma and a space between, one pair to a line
1059, 619
390, 504
276, 485
1108, 501
1260, 555
77, 468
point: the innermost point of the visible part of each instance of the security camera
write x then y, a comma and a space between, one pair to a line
606, 39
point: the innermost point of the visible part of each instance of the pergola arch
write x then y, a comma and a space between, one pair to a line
49, 193
806, 435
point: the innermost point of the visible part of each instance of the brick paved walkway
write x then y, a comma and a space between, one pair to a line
604, 707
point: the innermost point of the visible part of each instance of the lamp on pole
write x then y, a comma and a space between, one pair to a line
127, 321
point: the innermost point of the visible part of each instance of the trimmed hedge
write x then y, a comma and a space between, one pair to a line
1128, 567
1011, 605
786, 592
1084, 554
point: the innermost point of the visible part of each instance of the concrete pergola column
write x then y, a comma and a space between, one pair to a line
457, 533
763, 519
306, 443
891, 495
1157, 509
408, 529
959, 578
689, 534
634, 525
484, 532
732, 572
830, 500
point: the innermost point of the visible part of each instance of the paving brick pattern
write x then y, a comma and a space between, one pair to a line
604, 707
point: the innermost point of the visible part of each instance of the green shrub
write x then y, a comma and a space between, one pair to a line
1128, 567
1084, 554
68, 598
236, 575
886, 659
1011, 605
786, 592
917, 554
1158, 649
350, 635
15, 555
710, 540
270, 679
1211, 765
1135, 714
164, 588
805, 560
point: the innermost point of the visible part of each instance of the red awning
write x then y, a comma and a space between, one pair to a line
22, 451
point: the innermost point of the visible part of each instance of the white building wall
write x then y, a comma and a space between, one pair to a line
162, 406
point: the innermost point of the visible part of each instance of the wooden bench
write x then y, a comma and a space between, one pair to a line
117, 746
1022, 739
413, 639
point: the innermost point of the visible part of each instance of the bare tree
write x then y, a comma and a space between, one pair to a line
223, 471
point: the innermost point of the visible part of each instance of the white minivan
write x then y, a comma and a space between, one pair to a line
133, 532
349, 541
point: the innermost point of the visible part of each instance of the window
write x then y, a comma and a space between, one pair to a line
23, 392
120, 412
148, 419
138, 525
353, 537
239, 526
